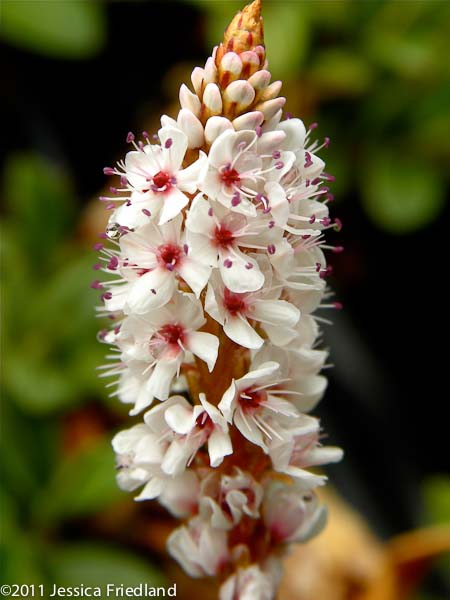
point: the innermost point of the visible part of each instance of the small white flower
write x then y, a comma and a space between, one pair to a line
241, 168
151, 260
251, 583
253, 404
157, 183
225, 499
299, 448
234, 310
194, 426
180, 494
162, 339
291, 514
199, 548
221, 236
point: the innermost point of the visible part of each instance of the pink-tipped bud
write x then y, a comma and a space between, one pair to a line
232, 63
189, 101
215, 126
210, 71
239, 92
260, 79
250, 120
271, 107
192, 127
212, 99
197, 77
130, 137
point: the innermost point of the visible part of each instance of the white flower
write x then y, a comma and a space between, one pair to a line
162, 337
180, 494
221, 235
243, 169
151, 260
250, 583
254, 406
140, 452
199, 548
195, 426
156, 181
225, 499
291, 514
299, 448
298, 367
234, 310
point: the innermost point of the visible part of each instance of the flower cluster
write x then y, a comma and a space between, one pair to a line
216, 264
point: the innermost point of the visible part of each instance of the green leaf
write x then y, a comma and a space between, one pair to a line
287, 37
401, 193
340, 72
66, 29
436, 492
81, 485
96, 565
39, 196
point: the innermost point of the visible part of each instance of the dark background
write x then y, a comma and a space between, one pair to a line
375, 75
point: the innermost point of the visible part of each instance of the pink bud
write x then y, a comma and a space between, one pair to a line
212, 99
249, 120
240, 92
189, 101
231, 62
192, 127
215, 126
260, 79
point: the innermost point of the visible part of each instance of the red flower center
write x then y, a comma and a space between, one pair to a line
172, 333
229, 176
161, 180
251, 399
168, 255
203, 421
233, 302
223, 237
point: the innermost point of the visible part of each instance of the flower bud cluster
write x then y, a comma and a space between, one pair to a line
215, 266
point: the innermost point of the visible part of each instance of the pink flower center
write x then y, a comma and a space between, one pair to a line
161, 181
233, 302
172, 334
229, 176
168, 256
251, 398
223, 236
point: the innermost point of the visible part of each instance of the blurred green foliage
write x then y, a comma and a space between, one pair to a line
63, 29
49, 358
376, 76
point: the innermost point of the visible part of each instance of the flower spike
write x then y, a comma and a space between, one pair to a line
214, 264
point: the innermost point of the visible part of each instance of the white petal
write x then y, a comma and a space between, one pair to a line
275, 312
174, 155
142, 299
199, 218
161, 378
239, 277
205, 346
187, 179
240, 331
295, 134
195, 274
180, 418
219, 446
227, 404
174, 202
